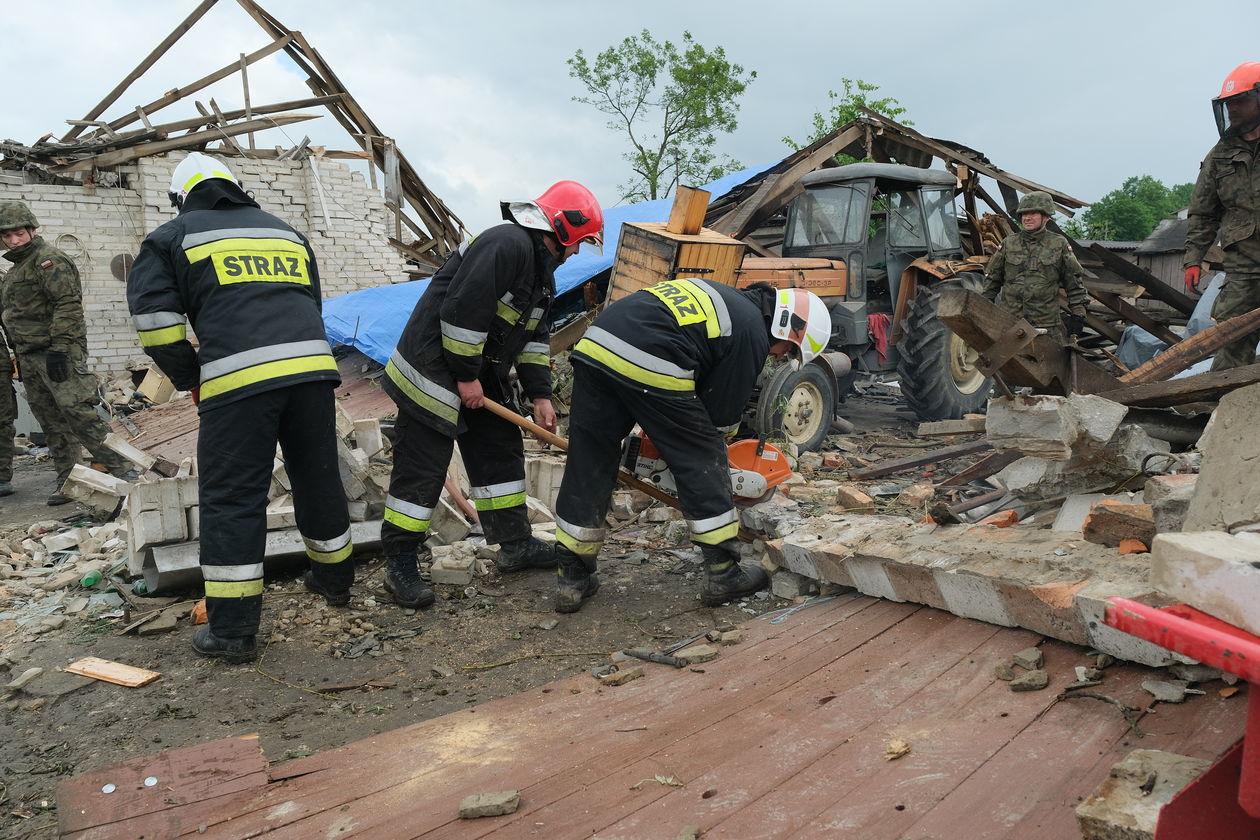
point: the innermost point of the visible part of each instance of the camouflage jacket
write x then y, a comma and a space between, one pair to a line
1226, 204
1029, 269
41, 300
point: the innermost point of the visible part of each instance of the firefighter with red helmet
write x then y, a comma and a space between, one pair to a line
484, 314
1225, 206
680, 359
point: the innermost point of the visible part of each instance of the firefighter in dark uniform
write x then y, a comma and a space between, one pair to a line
263, 374
681, 359
484, 313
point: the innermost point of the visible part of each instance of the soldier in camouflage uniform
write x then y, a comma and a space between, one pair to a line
1226, 203
41, 303
8, 416
1030, 267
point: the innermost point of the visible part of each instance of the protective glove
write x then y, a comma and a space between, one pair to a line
1076, 324
58, 365
1193, 274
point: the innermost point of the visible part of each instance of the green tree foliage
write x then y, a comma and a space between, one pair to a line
847, 107
1130, 213
670, 102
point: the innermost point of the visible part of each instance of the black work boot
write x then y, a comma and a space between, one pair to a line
234, 649
529, 553
403, 581
333, 597
575, 581
724, 578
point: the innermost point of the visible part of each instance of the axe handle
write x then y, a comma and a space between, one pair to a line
555, 440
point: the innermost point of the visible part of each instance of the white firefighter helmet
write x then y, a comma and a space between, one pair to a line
196, 169
802, 318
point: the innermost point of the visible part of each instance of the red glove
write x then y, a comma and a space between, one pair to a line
196, 395
1193, 274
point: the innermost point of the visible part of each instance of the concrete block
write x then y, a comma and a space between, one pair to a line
61, 542
974, 596
1091, 604
194, 522
850, 497
538, 512
155, 510
1169, 497
1227, 495
1075, 509
916, 496
448, 524
1125, 806
358, 510
1035, 425
1213, 572
790, 585
453, 569
345, 423
489, 804
368, 437
99, 492
353, 469
542, 477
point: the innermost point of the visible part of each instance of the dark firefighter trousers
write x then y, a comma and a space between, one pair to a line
605, 409
236, 451
495, 459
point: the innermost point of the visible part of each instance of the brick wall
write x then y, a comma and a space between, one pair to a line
333, 205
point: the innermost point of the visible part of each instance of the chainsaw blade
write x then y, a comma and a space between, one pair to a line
744, 501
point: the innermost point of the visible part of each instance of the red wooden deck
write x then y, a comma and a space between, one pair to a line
782, 736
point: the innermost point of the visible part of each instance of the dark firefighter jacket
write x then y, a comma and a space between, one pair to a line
248, 285
684, 339
485, 312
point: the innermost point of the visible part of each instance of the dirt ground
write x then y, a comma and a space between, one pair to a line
494, 638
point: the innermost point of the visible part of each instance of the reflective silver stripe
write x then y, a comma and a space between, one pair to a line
534, 318
328, 545
727, 431
723, 314
260, 355
192, 240
536, 347
580, 533
492, 491
464, 335
157, 320
413, 510
424, 383
251, 571
633, 354
699, 526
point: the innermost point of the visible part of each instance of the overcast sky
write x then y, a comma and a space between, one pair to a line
1077, 96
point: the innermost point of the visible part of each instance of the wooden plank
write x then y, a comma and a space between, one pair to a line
1194, 349
686, 215
945, 453
143, 66
982, 469
187, 775
1136, 316
177, 94
113, 672
947, 428
1154, 287
182, 142
1209, 386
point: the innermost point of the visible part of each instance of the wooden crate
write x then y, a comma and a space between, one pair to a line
649, 253
825, 278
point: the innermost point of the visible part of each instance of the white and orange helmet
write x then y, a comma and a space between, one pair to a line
802, 318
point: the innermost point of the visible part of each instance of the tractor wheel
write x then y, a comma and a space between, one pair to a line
938, 372
798, 404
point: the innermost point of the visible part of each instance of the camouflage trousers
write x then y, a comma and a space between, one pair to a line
8, 415
66, 411
1239, 295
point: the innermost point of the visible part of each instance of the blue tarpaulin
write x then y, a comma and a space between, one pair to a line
373, 319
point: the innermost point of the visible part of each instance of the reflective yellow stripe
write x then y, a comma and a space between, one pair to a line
407, 523
330, 556
234, 588
461, 348
168, 335
261, 373
246, 246
534, 359
632, 371
507, 313
717, 535
500, 502
688, 303
429, 403
579, 547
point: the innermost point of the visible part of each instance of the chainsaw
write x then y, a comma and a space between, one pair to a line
757, 468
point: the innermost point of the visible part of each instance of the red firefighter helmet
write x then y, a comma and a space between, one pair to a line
1243, 82
567, 209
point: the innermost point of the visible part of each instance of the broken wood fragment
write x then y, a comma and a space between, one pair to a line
113, 672
943, 454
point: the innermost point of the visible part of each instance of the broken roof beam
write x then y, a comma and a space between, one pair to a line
173, 96
143, 66
184, 141
1137, 275
914, 139
1203, 387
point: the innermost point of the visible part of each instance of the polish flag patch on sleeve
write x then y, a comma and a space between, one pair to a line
47, 264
